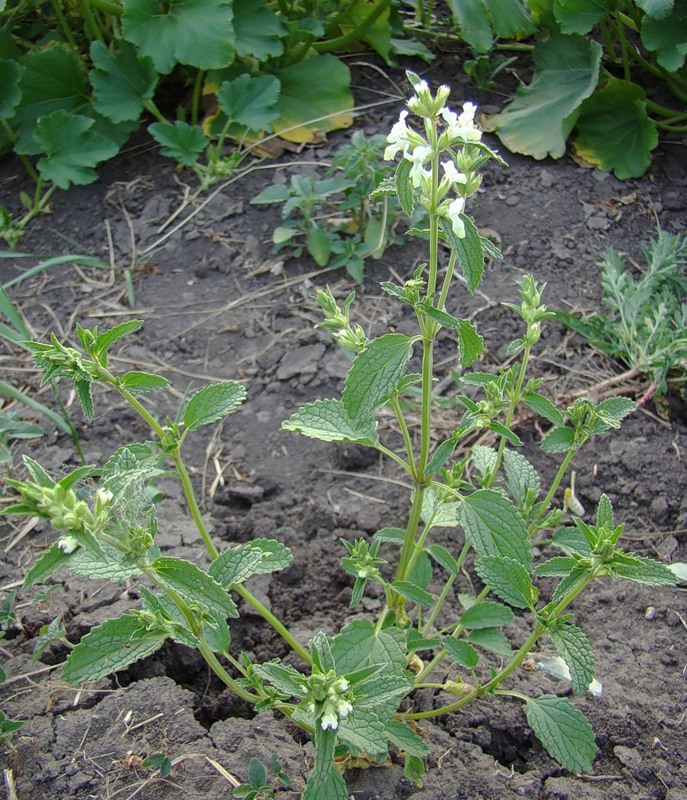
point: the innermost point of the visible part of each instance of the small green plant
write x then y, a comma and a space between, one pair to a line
259, 786
7, 618
347, 688
13, 427
333, 219
644, 324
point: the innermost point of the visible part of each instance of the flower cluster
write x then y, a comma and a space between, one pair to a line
330, 702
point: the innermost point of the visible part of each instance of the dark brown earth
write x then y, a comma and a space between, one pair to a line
218, 304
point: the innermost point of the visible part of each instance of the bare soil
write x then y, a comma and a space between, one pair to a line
218, 304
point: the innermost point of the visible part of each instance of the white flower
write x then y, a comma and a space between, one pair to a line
397, 138
453, 212
329, 720
419, 155
452, 174
68, 544
345, 709
463, 126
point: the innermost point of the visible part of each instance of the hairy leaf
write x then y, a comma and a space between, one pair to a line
413, 593
406, 739
508, 579
141, 382
468, 249
211, 403
486, 614
53, 558
330, 421
491, 639
563, 730
493, 526
461, 652
574, 648
641, 570
194, 585
521, 475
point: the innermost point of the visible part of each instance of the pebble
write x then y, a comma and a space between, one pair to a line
627, 756
547, 179
301, 361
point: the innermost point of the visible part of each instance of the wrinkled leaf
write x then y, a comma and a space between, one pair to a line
329, 420
180, 141
211, 403
563, 730
122, 82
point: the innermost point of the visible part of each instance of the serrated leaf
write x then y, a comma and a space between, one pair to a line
580, 16
404, 187
324, 782
329, 421
486, 614
101, 565
165, 608
10, 93
283, 677
391, 535
374, 374
493, 526
250, 101
611, 413
84, 391
53, 558
558, 440
211, 403
71, 148
359, 645
468, 250
461, 652
544, 407
491, 639
179, 140
474, 20
574, 648
235, 565
110, 647
537, 122
105, 340
442, 556
259, 30
470, 343
508, 579
571, 540
641, 570
406, 739
665, 35
194, 585
563, 730
198, 33
413, 593
141, 382
614, 131
319, 245
484, 459
521, 475
122, 83
558, 566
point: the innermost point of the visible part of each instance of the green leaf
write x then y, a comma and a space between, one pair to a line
572, 540
574, 648
140, 382
257, 774
493, 526
10, 93
491, 639
47, 565
659, 9
611, 413
122, 83
470, 343
666, 37
109, 648
442, 556
563, 730
486, 614
406, 739
359, 645
194, 585
324, 782
508, 579
315, 97
259, 31
580, 16
413, 593
277, 193
521, 476
640, 570
544, 407
614, 131
198, 33
558, 440
329, 420
319, 245
537, 122
160, 762
506, 433
84, 391
404, 187
511, 19
468, 249
283, 677
461, 652
180, 141
105, 340
558, 566
235, 565
374, 374
250, 101
72, 149
474, 21
211, 403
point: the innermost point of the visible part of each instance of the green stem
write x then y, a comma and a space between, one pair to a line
195, 101
552, 491
444, 592
108, 7
664, 111
340, 42
405, 433
150, 106
215, 665
64, 25
441, 305
92, 24
625, 50
411, 533
192, 503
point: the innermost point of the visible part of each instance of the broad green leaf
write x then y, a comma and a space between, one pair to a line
365, 730
413, 593
461, 652
329, 420
493, 526
10, 93
508, 579
180, 141
574, 648
197, 33
580, 16
72, 149
486, 615
235, 565
140, 382
277, 193
101, 565
421, 573
474, 21
470, 343
666, 37
374, 374
571, 540
443, 558
52, 79
321, 652
359, 645
555, 567
47, 565
377, 35
166, 609
319, 245
563, 730
275, 556
259, 31
468, 249
324, 782
658, 9
641, 570
544, 407
521, 475
194, 585
511, 18
122, 83
484, 459
283, 677
105, 340
491, 639
406, 739
315, 98
506, 433
538, 121
211, 403
250, 101
109, 648
614, 131
404, 187
611, 413
558, 440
